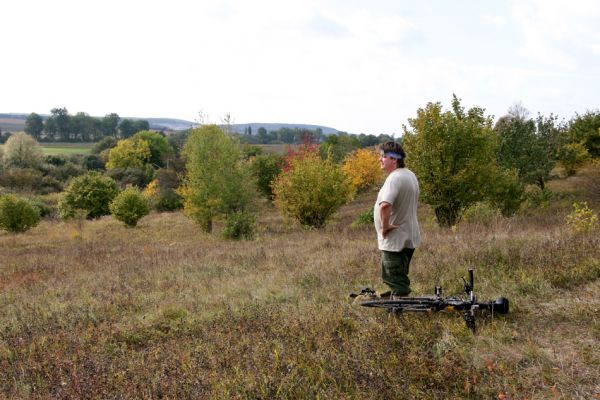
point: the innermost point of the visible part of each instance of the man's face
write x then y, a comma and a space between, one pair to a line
387, 163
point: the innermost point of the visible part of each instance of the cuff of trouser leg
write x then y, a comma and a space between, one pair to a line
396, 293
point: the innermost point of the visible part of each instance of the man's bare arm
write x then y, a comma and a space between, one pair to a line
385, 212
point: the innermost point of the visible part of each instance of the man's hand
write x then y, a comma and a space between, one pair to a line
385, 211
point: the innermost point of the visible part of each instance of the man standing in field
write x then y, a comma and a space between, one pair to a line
395, 216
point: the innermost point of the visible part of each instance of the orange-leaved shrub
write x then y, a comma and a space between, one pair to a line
310, 189
363, 170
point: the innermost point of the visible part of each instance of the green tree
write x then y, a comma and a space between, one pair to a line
85, 128
34, 126
129, 153
586, 129
159, 146
239, 225
129, 206
217, 183
339, 146
17, 214
106, 143
60, 121
90, 194
310, 190
22, 151
572, 157
109, 124
507, 192
127, 128
265, 168
527, 147
262, 135
453, 154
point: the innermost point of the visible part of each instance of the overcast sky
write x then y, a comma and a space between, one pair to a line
357, 66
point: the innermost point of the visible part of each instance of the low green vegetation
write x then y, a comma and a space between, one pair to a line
94, 310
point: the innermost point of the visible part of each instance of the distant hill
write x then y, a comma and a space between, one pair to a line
11, 122
167, 124
240, 128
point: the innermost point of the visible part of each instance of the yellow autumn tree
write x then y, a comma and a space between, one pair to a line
129, 153
362, 169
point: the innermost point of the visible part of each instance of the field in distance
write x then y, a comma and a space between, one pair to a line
63, 149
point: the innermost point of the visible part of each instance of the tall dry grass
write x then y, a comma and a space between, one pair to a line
96, 310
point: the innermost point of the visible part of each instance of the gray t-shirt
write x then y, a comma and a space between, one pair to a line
401, 190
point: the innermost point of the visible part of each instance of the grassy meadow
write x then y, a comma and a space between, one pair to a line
96, 310
64, 149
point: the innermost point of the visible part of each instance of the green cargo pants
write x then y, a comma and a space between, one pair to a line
394, 270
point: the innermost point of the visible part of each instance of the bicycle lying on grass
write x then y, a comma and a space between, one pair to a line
468, 305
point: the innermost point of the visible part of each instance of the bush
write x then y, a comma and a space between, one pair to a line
21, 179
4, 136
22, 151
47, 205
158, 145
481, 212
105, 144
129, 206
92, 193
364, 218
132, 176
507, 193
129, 153
162, 198
265, 168
363, 170
239, 225
55, 160
17, 214
168, 200
582, 218
538, 198
311, 190
50, 185
572, 157
63, 172
93, 163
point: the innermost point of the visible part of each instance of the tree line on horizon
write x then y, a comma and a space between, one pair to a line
61, 126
